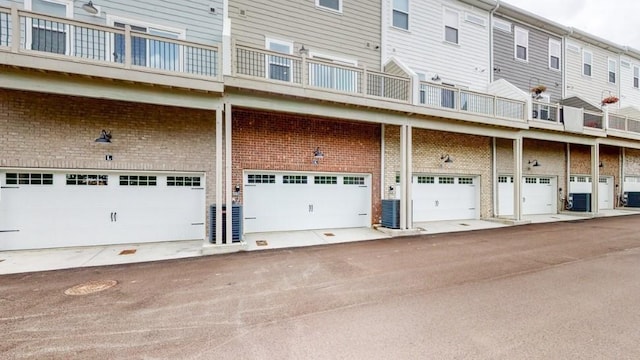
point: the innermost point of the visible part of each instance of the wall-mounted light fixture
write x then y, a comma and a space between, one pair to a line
105, 137
534, 163
436, 77
303, 51
601, 164
446, 159
317, 156
90, 8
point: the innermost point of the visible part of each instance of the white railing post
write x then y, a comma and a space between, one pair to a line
365, 80
306, 80
127, 46
233, 57
495, 106
15, 28
457, 96
626, 123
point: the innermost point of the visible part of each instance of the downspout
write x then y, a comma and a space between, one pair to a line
491, 40
564, 63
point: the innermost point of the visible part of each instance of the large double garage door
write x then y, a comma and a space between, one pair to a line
46, 209
287, 201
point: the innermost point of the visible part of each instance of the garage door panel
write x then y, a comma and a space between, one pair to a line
538, 195
323, 201
99, 209
440, 197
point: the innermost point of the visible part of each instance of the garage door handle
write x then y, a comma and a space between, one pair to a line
437, 203
524, 199
115, 216
112, 216
310, 207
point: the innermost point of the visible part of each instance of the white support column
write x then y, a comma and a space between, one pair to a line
517, 179
228, 172
620, 187
595, 177
403, 176
218, 201
568, 177
409, 177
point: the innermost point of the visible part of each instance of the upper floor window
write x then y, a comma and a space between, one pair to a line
401, 14
49, 35
554, 54
451, 26
521, 44
279, 67
612, 70
587, 59
636, 77
335, 5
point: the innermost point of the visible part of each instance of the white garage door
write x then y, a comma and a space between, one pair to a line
582, 184
538, 195
443, 197
61, 209
303, 201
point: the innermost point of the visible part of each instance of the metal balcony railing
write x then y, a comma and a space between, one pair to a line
319, 74
593, 120
624, 123
545, 112
26, 32
447, 97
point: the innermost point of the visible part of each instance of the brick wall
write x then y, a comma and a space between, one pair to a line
278, 141
54, 131
471, 155
632, 162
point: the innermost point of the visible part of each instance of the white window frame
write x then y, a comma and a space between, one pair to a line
28, 5
182, 34
636, 77
394, 10
590, 63
339, 10
613, 62
516, 31
267, 42
553, 43
445, 25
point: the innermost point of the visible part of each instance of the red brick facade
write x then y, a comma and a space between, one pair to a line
278, 141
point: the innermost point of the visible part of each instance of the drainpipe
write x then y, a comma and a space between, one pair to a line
491, 40
564, 63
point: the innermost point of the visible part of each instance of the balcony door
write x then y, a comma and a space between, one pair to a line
47, 35
148, 52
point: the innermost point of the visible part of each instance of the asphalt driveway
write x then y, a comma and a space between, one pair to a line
543, 291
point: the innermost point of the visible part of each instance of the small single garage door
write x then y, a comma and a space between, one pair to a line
279, 201
445, 197
582, 184
61, 209
538, 195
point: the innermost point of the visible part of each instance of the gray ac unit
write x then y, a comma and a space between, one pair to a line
391, 213
580, 202
236, 223
632, 198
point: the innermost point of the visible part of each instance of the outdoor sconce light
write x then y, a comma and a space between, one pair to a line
534, 163
317, 155
105, 137
446, 159
90, 8
303, 51
237, 189
601, 164
436, 77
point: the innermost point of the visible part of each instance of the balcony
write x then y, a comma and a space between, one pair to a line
327, 76
30, 40
466, 101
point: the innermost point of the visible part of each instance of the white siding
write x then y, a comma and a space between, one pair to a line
629, 96
591, 88
423, 48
